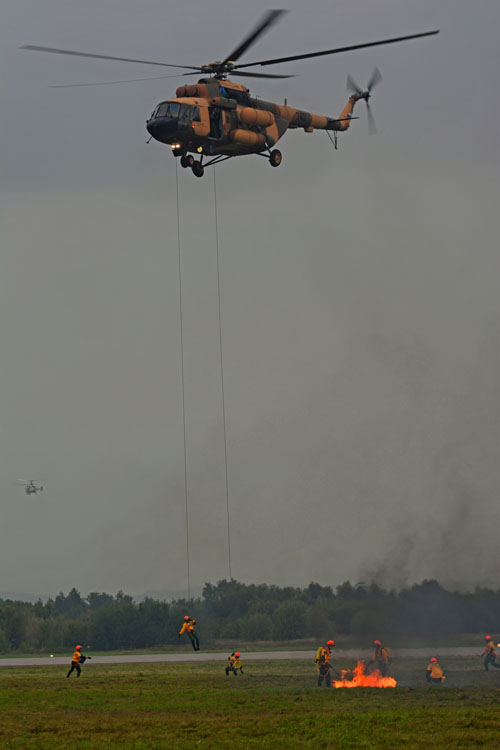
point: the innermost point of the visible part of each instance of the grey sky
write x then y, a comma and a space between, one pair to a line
360, 306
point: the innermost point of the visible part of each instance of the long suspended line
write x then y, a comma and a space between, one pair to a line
222, 380
182, 378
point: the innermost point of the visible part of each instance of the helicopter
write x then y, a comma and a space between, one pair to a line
217, 118
30, 487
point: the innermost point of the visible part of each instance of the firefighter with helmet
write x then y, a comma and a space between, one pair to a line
235, 664
78, 658
380, 659
434, 672
188, 627
322, 661
490, 654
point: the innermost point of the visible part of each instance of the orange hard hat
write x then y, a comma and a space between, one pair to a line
487, 637
78, 648
433, 658
330, 643
377, 643
237, 655
186, 617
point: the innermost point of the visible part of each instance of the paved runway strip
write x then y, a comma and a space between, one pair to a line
248, 656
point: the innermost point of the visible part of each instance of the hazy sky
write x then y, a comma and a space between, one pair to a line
360, 306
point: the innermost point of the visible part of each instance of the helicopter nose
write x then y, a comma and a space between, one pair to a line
162, 128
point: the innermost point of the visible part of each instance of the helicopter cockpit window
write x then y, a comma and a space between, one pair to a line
162, 110
182, 112
173, 109
184, 116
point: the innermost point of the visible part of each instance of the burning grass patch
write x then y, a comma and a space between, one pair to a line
358, 677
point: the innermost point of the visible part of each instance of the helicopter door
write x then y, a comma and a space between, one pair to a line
215, 123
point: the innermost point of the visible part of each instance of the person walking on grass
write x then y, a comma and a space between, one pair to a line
188, 627
434, 672
380, 659
322, 661
234, 664
78, 658
490, 654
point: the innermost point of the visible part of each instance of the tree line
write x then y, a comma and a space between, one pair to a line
230, 610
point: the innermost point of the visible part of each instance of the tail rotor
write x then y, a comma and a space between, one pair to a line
352, 86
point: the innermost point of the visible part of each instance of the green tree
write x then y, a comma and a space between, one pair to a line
97, 600
72, 605
289, 621
257, 627
4, 641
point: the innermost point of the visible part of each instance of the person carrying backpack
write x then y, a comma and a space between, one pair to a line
434, 672
380, 659
490, 654
235, 664
323, 663
188, 627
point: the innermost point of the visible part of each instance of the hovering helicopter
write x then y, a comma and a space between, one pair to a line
217, 118
30, 487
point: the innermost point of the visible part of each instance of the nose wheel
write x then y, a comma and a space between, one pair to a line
187, 161
275, 158
198, 168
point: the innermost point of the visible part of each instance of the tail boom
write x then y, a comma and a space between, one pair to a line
310, 121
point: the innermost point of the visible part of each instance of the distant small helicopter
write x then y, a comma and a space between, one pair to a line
30, 487
218, 118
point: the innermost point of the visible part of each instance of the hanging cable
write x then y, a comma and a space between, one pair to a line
222, 381
334, 139
182, 378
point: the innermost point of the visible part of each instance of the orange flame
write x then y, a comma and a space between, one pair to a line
360, 679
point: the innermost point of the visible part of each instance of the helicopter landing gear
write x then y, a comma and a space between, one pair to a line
187, 160
198, 169
275, 158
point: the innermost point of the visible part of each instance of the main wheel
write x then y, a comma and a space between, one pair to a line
187, 161
275, 158
198, 169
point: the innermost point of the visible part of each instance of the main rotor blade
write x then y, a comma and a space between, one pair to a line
109, 83
269, 19
339, 49
376, 78
36, 48
256, 75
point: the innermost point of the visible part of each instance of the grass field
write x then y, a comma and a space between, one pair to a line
273, 705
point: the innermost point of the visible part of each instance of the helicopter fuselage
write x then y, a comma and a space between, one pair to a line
219, 117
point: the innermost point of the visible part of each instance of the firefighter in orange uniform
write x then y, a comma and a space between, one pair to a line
235, 664
188, 627
490, 654
434, 672
380, 660
322, 661
78, 658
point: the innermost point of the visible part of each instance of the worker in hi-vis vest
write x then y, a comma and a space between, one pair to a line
188, 627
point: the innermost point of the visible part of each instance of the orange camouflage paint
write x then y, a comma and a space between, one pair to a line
226, 121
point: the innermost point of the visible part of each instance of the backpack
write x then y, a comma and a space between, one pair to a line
318, 655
